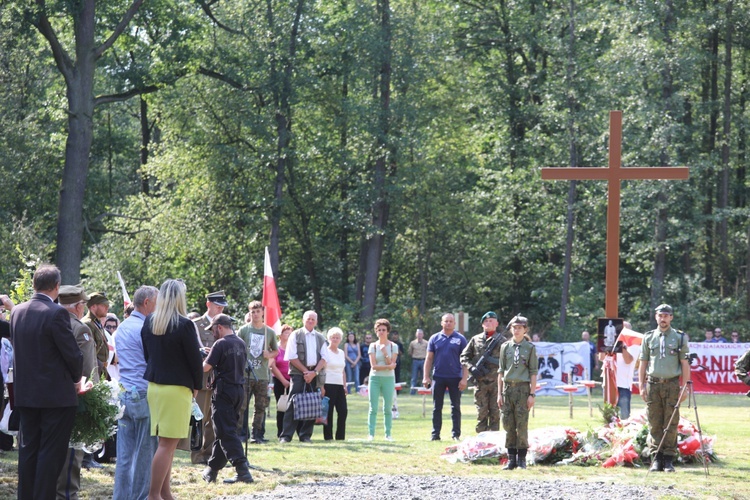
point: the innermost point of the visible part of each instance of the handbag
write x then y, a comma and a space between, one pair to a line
283, 403
196, 434
323, 418
307, 405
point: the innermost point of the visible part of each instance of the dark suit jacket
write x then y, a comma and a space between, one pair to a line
47, 361
173, 358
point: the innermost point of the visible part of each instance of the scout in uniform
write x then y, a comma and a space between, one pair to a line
516, 390
485, 376
664, 358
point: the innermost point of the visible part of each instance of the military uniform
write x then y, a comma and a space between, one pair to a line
742, 368
518, 362
100, 340
485, 396
663, 353
69, 480
203, 399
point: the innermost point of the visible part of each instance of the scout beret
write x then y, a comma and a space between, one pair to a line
664, 308
219, 298
97, 298
488, 314
519, 320
220, 319
70, 294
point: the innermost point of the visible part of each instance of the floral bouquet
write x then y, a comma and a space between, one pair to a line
99, 409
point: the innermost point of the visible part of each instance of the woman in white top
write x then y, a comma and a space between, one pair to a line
383, 354
335, 386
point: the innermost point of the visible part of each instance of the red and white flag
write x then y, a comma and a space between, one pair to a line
270, 297
629, 337
125, 296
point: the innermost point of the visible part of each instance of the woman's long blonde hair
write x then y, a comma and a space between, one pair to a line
170, 305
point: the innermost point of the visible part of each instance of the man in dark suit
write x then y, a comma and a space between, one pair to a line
48, 366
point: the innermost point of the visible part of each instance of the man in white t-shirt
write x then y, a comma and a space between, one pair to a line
625, 362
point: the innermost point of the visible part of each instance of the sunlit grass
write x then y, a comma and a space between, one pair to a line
726, 417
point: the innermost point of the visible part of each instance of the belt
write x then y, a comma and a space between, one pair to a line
516, 383
657, 380
418, 359
311, 368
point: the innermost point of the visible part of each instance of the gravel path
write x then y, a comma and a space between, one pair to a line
442, 487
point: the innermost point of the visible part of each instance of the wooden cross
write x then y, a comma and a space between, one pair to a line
613, 175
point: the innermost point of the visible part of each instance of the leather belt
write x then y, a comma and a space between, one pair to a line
515, 383
657, 380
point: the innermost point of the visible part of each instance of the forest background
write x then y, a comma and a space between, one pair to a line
388, 152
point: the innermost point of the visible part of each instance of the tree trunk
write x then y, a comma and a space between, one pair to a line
382, 169
722, 202
282, 95
662, 213
145, 143
573, 162
77, 147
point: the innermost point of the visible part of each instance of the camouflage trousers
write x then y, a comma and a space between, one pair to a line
516, 415
661, 400
485, 400
258, 390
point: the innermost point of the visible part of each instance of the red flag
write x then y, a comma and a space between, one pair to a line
125, 296
270, 297
629, 337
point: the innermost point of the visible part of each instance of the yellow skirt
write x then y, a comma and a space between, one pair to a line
169, 406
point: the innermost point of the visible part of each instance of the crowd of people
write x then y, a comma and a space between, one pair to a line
170, 362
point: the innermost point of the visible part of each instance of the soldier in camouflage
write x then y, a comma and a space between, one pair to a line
664, 358
516, 390
485, 376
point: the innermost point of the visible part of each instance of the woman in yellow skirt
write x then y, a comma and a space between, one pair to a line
174, 370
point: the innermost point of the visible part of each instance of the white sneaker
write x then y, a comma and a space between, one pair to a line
389, 438
370, 438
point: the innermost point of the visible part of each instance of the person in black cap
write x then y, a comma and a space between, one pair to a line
485, 375
227, 359
215, 304
664, 358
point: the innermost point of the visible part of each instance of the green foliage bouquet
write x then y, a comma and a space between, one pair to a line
99, 409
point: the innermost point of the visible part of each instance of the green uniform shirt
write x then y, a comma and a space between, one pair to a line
476, 347
528, 362
675, 350
257, 340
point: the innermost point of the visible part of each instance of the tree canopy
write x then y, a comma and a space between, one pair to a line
388, 152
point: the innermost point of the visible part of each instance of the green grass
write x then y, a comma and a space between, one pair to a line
725, 417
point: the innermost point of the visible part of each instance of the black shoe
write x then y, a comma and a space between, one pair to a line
657, 465
668, 467
243, 474
521, 459
456, 438
512, 464
284, 440
305, 440
435, 438
209, 475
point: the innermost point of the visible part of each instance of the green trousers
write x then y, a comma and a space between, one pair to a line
516, 416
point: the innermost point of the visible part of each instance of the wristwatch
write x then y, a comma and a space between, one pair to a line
316, 373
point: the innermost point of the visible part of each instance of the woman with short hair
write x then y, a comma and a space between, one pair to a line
335, 386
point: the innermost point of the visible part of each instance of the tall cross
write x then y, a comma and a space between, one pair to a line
613, 175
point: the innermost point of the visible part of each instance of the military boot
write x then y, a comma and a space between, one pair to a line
668, 467
512, 464
657, 465
522, 459
254, 437
209, 475
243, 473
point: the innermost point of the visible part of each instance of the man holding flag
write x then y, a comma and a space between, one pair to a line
627, 349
